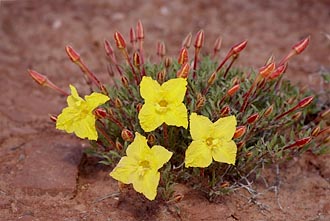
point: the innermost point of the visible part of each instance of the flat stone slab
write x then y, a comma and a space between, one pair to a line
50, 165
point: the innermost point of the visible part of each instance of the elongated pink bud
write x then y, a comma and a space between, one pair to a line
108, 48
53, 118
37, 77
253, 118
303, 141
183, 72
266, 70
199, 41
120, 41
73, 55
305, 102
233, 90
212, 78
139, 30
315, 132
325, 113
240, 131
301, 45
132, 36
161, 50
136, 59
278, 71
183, 56
224, 111
167, 62
269, 110
236, 49
187, 41
217, 45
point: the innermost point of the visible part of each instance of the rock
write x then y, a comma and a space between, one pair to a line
50, 165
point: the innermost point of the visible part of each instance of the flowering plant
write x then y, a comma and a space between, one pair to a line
196, 121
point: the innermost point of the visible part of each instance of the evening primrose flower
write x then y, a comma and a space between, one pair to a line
140, 166
163, 103
78, 116
211, 140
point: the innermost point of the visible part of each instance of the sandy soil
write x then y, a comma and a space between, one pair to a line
42, 176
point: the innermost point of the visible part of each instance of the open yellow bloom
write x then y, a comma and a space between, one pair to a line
163, 103
140, 166
211, 140
78, 116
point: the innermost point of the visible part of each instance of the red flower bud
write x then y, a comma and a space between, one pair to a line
301, 45
315, 132
151, 139
240, 145
100, 113
253, 118
200, 101
127, 135
278, 71
132, 36
303, 141
168, 62
118, 103
161, 49
39, 78
306, 101
266, 70
233, 90
269, 110
240, 131
212, 78
296, 116
236, 49
187, 41
139, 30
108, 48
224, 111
199, 41
217, 45
161, 76
73, 55
53, 118
124, 81
136, 59
119, 146
183, 72
119, 39
138, 107
183, 56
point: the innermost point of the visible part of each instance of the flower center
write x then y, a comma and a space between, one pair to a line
161, 106
211, 142
144, 165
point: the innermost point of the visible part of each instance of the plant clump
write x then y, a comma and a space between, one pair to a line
190, 119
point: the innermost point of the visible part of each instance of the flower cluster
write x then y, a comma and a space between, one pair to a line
181, 120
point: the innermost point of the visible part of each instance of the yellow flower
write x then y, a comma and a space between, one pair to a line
78, 116
140, 166
211, 140
163, 103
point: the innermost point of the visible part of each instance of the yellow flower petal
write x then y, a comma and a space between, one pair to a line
125, 169
149, 89
177, 115
138, 148
95, 99
198, 155
160, 156
149, 118
200, 127
148, 184
175, 90
225, 127
226, 153
85, 128
74, 97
